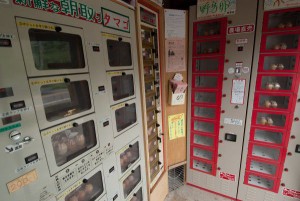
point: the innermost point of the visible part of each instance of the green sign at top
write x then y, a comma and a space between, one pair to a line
215, 8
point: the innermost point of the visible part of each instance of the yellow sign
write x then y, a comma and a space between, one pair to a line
57, 129
50, 81
22, 181
176, 126
107, 35
35, 25
114, 73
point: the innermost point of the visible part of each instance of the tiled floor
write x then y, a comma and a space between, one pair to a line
188, 193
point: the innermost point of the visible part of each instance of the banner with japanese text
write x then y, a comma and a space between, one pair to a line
69, 8
279, 4
215, 8
115, 20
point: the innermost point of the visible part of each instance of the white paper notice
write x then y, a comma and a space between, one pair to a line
231, 121
175, 23
238, 91
176, 60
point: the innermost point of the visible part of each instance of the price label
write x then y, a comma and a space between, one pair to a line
22, 181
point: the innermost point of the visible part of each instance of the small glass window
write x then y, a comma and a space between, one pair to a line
205, 112
205, 81
65, 99
88, 191
207, 65
72, 142
278, 63
119, 53
131, 181
209, 29
129, 156
208, 47
138, 196
56, 50
122, 86
206, 97
125, 116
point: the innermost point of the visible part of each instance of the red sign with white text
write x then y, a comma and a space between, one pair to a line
227, 176
291, 193
246, 28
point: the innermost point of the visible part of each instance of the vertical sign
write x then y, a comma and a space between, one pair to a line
238, 91
215, 8
279, 4
115, 20
176, 126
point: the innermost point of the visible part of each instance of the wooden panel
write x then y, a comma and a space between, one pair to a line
176, 149
160, 191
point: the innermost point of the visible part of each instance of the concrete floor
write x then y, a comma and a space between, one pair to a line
189, 193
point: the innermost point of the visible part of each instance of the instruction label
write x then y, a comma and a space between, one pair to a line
231, 121
238, 91
227, 176
291, 193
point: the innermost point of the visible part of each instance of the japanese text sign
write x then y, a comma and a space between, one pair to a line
69, 8
115, 20
215, 8
279, 4
247, 28
176, 126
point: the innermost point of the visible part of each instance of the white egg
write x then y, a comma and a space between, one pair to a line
62, 148
263, 121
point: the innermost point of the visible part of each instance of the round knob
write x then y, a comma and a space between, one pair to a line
289, 154
228, 41
220, 141
220, 155
296, 119
75, 124
286, 169
67, 80
224, 95
282, 184
132, 171
223, 111
293, 136
221, 126
14, 135
225, 78
229, 22
219, 168
84, 181
226, 60
298, 100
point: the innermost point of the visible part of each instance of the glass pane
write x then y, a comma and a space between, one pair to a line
262, 167
122, 86
260, 181
202, 166
154, 171
149, 87
276, 83
202, 126
208, 47
271, 119
148, 72
207, 65
265, 152
209, 29
206, 81
129, 156
56, 50
268, 136
150, 102
151, 117
72, 142
204, 154
125, 116
152, 145
138, 196
206, 97
279, 63
131, 181
87, 191
280, 102
284, 20
205, 112
151, 131
119, 53
203, 140
146, 37
282, 42
65, 99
